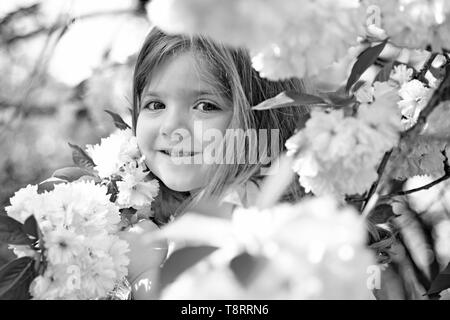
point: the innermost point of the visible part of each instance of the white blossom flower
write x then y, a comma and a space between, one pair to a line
428, 200
43, 288
365, 93
414, 96
412, 23
401, 74
134, 191
113, 152
84, 256
24, 203
338, 155
63, 245
313, 250
83, 206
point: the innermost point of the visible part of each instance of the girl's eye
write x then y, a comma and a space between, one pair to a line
154, 105
207, 107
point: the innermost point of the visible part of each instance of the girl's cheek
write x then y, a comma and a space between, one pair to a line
146, 133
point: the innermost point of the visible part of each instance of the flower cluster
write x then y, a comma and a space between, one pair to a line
338, 155
117, 158
310, 250
414, 23
278, 34
83, 256
424, 154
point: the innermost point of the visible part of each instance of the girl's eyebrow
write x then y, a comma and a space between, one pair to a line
187, 91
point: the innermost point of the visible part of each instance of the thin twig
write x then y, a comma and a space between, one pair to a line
380, 172
58, 25
22, 11
406, 192
442, 93
421, 75
35, 73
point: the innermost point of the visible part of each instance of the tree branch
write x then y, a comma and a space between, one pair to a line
427, 186
380, 172
56, 26
442, 93
23, 11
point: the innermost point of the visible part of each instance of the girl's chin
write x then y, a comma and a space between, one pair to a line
179, 184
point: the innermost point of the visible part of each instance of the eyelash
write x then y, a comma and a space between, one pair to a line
202, 102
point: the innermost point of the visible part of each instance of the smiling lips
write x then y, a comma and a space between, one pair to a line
178, 153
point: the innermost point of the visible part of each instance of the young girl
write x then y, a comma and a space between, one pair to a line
184, 89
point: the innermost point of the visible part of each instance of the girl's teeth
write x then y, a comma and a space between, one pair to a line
180, 154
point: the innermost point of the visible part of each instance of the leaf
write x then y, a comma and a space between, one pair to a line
72, 173
441, 282
289, 99
113, 190
385, 72
364, 61
48, 185
30, 227
181, 260
81, 158
246, 267
11, 232
15, 279
381, 214
118, 121
337, 99
128, 215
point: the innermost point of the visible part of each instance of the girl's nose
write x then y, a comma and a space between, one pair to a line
174, 125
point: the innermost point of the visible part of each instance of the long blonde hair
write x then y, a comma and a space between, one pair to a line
231, 73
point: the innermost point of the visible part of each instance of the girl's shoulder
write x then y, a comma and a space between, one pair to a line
242, 195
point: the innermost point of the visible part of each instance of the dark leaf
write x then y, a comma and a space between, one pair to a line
181, 260
48, 185
289, 99
128, 215
112, 190
438, 73
382, 214
358, 85
30, 227
118, 121
364, 61
337, 99
81, 158
11, 232
385, 72
441, 282
15, 279
246, 267
72, 173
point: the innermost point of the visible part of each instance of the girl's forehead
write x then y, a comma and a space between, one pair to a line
185, 73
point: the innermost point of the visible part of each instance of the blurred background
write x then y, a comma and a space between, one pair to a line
62, 63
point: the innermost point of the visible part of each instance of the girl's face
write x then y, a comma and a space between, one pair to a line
177, 107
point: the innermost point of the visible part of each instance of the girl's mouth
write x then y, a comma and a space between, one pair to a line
178, 153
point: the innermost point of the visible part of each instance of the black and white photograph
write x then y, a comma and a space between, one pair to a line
224, 150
